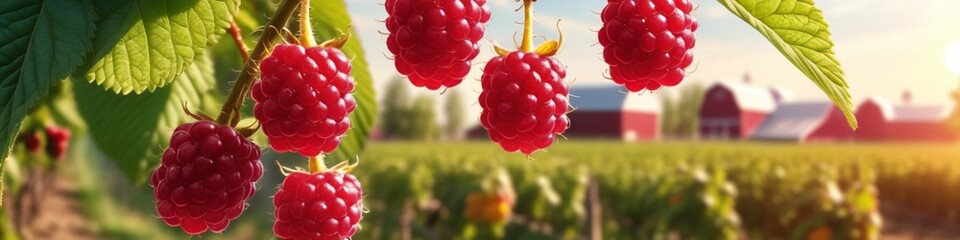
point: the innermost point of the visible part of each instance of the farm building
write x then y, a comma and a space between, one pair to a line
612, 112
805, 122
734, 110
872, 117
882, 121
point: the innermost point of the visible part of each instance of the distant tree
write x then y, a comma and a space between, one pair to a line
423, 119
954, 120
688, 110
668, 116
455, 114
394, 119
681, 113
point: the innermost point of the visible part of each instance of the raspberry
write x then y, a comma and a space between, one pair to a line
324, 205
524, 101
207, 174
31, 141
434, 41
304, 99
648, 43
57, 140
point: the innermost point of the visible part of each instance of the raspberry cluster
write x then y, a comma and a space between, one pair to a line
648, 43
323, 205
57, 140
304, 99
434, 41
206, 176
524, 101
32, 141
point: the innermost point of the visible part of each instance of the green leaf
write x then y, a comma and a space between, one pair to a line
329, 19
143, 45
133, 130
799, 30
41, 42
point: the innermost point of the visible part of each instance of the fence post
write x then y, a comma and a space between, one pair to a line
594, 227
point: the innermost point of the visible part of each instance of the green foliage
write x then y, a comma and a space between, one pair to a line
455, 112
330, 19
396, 104
801, 33
133, 130
142, 45
42, 42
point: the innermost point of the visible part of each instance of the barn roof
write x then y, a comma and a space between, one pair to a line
886, 107
612, 98
793, 121
911, 112
781, 94
921, 113
750, 97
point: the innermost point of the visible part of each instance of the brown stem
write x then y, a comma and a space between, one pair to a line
229, 115
234, 31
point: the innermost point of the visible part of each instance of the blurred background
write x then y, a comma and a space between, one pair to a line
745, 148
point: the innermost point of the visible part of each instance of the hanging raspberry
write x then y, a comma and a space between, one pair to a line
435, 41
648, 43
304, 98
524, 98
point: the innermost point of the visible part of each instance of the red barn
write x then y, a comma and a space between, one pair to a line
734, 110
805, 122
612, 112
834, 128
873, 116
883, 121
921, 123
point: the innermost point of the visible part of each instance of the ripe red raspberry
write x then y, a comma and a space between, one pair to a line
304, 99
32, 141
434, 41
324, 205
57, 140
648, 43
524, 101
207, 174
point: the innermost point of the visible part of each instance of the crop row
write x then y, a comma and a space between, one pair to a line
619, 191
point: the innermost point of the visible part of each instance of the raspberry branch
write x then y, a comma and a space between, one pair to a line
234, 31
229, 114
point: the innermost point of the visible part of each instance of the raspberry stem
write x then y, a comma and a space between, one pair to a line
315, 164
306, 31
230, 111
238, 39
526, 43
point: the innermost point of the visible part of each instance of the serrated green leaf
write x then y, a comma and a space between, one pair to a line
133, 130
329, 19
143, 45
801, 33
41, 42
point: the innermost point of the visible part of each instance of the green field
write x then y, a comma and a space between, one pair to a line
696, 190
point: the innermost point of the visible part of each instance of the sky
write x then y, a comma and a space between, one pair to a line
886, 47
